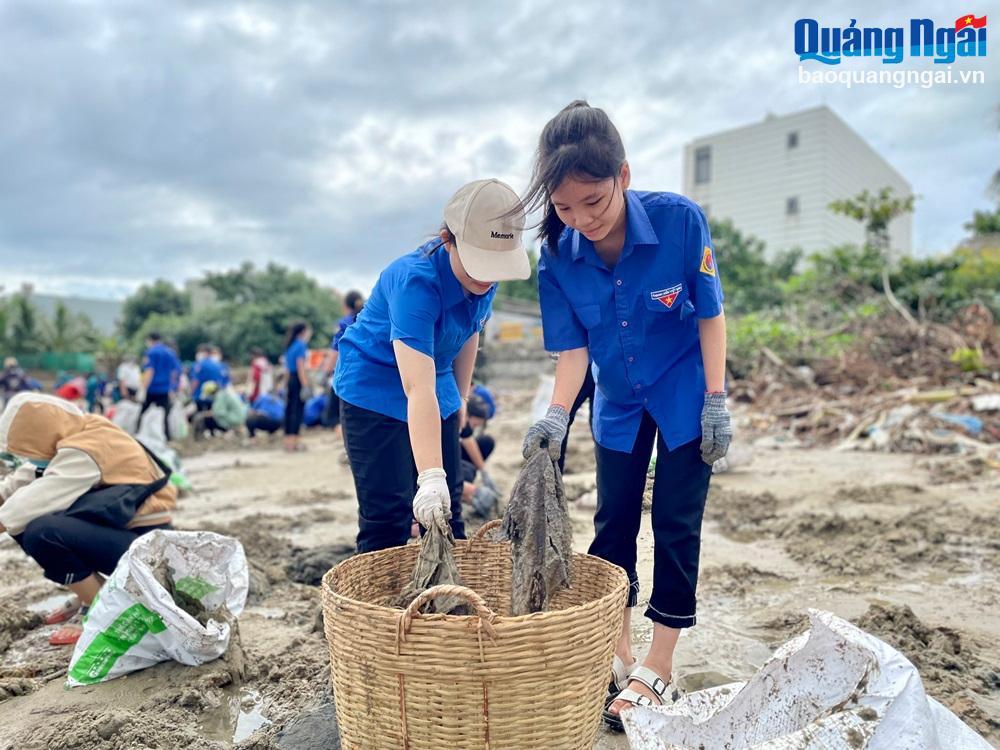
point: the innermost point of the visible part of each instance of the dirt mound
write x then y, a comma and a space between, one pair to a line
950, 665
736, 580
308, 566
879, 493
15, 622
741, 515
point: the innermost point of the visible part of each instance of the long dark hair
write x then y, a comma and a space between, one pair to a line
294, 331
580, 141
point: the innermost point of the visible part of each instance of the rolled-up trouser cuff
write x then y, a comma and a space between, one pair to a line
633, 592
670, 620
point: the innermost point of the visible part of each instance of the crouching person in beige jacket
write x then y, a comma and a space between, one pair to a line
86, 491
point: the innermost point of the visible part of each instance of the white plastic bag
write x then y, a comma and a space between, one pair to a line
127, 416
835, 687
177, 422
135, 622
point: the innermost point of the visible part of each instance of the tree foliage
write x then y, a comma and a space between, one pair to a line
253, 307
159, 298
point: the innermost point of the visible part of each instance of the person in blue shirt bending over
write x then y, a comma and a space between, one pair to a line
628, 280
405, 366
161, 371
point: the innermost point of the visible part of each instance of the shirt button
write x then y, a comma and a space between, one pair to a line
624, 324
619, 282
638, 386
631, 359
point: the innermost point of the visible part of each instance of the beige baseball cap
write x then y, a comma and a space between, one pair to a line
487, 220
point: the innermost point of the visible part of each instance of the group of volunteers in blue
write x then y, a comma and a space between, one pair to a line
629, 293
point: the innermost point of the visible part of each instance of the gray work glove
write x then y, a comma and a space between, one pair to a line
551, 430
484, 500
487, 481
716, 428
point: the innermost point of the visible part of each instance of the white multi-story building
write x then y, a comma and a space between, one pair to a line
775, 180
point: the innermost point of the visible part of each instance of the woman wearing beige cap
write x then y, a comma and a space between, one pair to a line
406, 364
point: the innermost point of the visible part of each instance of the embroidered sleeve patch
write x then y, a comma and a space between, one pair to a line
708, 261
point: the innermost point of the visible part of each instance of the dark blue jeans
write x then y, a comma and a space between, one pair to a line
680, 487
70, 549
385, 476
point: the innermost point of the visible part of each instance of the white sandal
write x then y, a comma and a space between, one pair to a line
664, 691
619, 678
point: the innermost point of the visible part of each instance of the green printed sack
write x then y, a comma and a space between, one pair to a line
173, 595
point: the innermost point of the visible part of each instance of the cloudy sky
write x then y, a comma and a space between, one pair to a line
157, 139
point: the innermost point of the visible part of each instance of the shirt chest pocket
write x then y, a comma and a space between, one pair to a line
669, 303
449, 338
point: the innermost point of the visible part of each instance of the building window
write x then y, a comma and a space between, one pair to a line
702, 165
792, 206
793, 139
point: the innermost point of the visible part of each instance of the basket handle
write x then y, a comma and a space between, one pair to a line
486, 528
483, 612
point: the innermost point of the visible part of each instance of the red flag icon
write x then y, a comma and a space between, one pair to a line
970, 20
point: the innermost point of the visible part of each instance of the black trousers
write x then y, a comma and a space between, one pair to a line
257, 420
161, 400
486, 445
331, 412
680, 487
70, 549
385, 475
586, 394
293, 406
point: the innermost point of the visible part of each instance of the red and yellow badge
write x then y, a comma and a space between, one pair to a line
667, 297
708, 261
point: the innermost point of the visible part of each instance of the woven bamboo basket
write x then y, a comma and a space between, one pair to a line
403, 679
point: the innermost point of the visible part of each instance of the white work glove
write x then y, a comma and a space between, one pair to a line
432, 503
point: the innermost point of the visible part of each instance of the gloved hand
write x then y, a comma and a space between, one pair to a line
551, 429
716, 428
487, 481
432, 503
484, 500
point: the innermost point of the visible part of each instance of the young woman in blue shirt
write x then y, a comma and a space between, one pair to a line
628, 281
296, 364
405, 365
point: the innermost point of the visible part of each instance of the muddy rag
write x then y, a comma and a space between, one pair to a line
537, 524
435, 566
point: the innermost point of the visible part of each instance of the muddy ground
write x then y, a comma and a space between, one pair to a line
904, 545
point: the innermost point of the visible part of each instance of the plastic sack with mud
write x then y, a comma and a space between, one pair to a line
173, 595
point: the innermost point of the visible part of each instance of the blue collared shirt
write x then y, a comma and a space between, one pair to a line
417, 300
342, 325
166, 368
639, 320
296, 350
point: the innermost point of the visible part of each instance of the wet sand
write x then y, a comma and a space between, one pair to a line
900, 543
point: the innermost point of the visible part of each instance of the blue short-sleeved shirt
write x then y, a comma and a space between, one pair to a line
342, 326
638, 320
166, 368
417, 300
270, 405
209, 370
296, 350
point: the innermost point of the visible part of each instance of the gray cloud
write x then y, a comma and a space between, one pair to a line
143, 140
